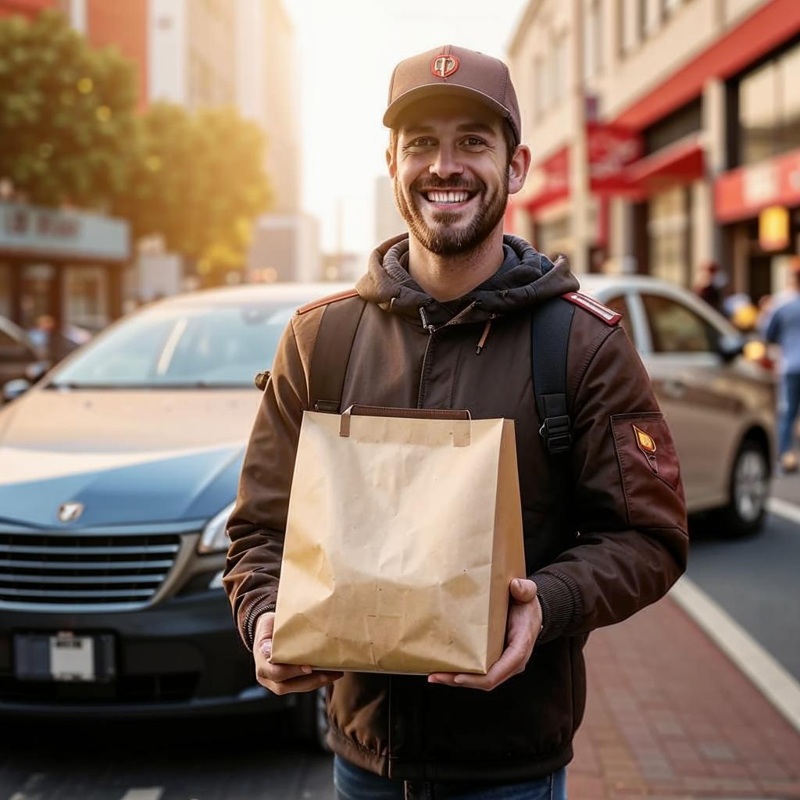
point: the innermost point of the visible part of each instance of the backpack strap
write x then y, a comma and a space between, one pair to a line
550, 329
337, 330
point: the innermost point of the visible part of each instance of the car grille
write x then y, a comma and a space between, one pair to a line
83, 572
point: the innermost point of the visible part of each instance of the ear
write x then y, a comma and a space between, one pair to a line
518, 168
391, 163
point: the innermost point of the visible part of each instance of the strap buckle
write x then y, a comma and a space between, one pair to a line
556, 433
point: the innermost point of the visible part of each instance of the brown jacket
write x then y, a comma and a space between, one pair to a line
600, 545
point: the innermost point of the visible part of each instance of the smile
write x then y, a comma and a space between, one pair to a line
447, 196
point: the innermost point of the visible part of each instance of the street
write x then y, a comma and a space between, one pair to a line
751, 582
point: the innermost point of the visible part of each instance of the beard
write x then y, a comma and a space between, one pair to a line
443, 237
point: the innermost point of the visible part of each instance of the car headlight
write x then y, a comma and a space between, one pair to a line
214, 538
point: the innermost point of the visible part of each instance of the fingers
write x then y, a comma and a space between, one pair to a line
522, 590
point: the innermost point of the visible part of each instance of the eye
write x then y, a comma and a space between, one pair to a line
473, 142
419, 144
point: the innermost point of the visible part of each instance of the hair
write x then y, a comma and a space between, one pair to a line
508, 134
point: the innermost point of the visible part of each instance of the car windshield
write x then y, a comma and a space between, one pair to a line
180, 347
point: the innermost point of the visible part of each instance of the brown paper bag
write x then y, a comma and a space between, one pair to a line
402, 536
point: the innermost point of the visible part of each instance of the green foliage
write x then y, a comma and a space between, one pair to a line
198, 180
66, 113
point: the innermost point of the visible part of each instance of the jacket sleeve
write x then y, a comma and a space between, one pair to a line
257, 523
629, 506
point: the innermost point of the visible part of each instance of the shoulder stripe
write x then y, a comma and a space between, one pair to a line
593, 307
327, 300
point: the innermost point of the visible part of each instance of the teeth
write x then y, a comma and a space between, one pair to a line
448, 197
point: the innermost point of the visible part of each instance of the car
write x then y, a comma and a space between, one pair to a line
19, 357
118, 471
717, 392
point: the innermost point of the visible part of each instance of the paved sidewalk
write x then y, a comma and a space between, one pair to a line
671, 717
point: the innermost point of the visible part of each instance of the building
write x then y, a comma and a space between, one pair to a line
665, 134
199, 54
388, 221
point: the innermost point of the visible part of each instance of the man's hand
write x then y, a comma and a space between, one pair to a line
524, 624
283, 678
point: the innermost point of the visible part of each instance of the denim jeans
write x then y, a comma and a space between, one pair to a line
354, 783
788, 408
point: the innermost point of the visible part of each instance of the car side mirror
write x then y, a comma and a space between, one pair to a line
13, 389
730, 346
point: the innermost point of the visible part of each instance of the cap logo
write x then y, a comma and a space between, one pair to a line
444, 66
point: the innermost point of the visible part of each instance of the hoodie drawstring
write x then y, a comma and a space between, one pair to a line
484, 337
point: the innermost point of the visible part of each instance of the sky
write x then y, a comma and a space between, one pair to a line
346, 51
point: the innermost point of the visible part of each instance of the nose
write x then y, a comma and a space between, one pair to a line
446, 164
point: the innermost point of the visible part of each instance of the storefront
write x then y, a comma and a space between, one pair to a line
62, 263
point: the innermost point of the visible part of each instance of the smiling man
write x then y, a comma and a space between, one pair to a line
445, 323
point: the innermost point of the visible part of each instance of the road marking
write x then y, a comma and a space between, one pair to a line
777, 685
783, 509
151, 793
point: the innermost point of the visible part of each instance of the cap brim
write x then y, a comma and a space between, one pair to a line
413, 96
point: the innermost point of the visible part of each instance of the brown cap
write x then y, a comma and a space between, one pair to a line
453, 70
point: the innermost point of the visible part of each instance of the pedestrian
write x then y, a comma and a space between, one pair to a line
447, 324
783, 330
710, 285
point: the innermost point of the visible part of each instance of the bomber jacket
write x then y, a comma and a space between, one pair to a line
600, 545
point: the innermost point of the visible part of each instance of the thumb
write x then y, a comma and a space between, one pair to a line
523, 590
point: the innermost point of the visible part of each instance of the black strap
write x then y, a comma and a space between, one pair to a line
337, 330
550, 328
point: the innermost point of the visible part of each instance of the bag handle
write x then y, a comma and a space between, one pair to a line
405, 413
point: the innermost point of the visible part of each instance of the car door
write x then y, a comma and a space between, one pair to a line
15, 356
696, 391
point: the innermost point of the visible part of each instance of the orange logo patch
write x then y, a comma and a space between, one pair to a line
647, 444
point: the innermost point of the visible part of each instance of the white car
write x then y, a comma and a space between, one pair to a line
719, 403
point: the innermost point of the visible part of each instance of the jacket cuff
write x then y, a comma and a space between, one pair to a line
561, 604
248, 633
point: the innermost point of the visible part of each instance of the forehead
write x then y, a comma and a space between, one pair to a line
460, 112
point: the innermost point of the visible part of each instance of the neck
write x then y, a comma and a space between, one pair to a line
449, 277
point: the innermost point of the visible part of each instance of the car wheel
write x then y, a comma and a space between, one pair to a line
749, 486
311, 719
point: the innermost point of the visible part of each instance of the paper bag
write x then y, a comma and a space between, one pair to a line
402, 536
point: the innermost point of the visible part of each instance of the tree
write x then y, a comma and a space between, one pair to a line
66, 113
197, 181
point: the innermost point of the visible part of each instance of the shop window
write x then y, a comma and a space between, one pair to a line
769, 108
86, 298
668, 235
5, 291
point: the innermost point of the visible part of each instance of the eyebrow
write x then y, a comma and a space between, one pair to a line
465, 127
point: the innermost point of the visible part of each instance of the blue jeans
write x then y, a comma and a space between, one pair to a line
789, 405
354, 783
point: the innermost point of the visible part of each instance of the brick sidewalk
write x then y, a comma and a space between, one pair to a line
670, 717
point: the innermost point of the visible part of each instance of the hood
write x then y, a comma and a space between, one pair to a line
525, 278
129, 458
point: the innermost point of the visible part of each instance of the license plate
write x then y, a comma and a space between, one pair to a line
64, 656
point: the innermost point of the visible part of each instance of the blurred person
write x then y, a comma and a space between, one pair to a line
447, 324
53, 342
783, 330
710, 285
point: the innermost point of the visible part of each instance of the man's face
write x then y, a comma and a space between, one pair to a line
450, 169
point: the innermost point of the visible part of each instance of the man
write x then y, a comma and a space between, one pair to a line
447, 324
783, 330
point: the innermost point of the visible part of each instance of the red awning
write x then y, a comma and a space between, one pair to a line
682, 162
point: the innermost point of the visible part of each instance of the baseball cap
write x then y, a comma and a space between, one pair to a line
453, 70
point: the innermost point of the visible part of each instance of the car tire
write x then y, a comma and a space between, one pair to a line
749, 488
310, 719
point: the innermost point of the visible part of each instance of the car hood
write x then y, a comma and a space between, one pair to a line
130, 458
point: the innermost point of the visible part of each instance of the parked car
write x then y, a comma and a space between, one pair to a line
19, 357
118, 471
717, 392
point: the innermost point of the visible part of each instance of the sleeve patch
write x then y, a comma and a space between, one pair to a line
593, 307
